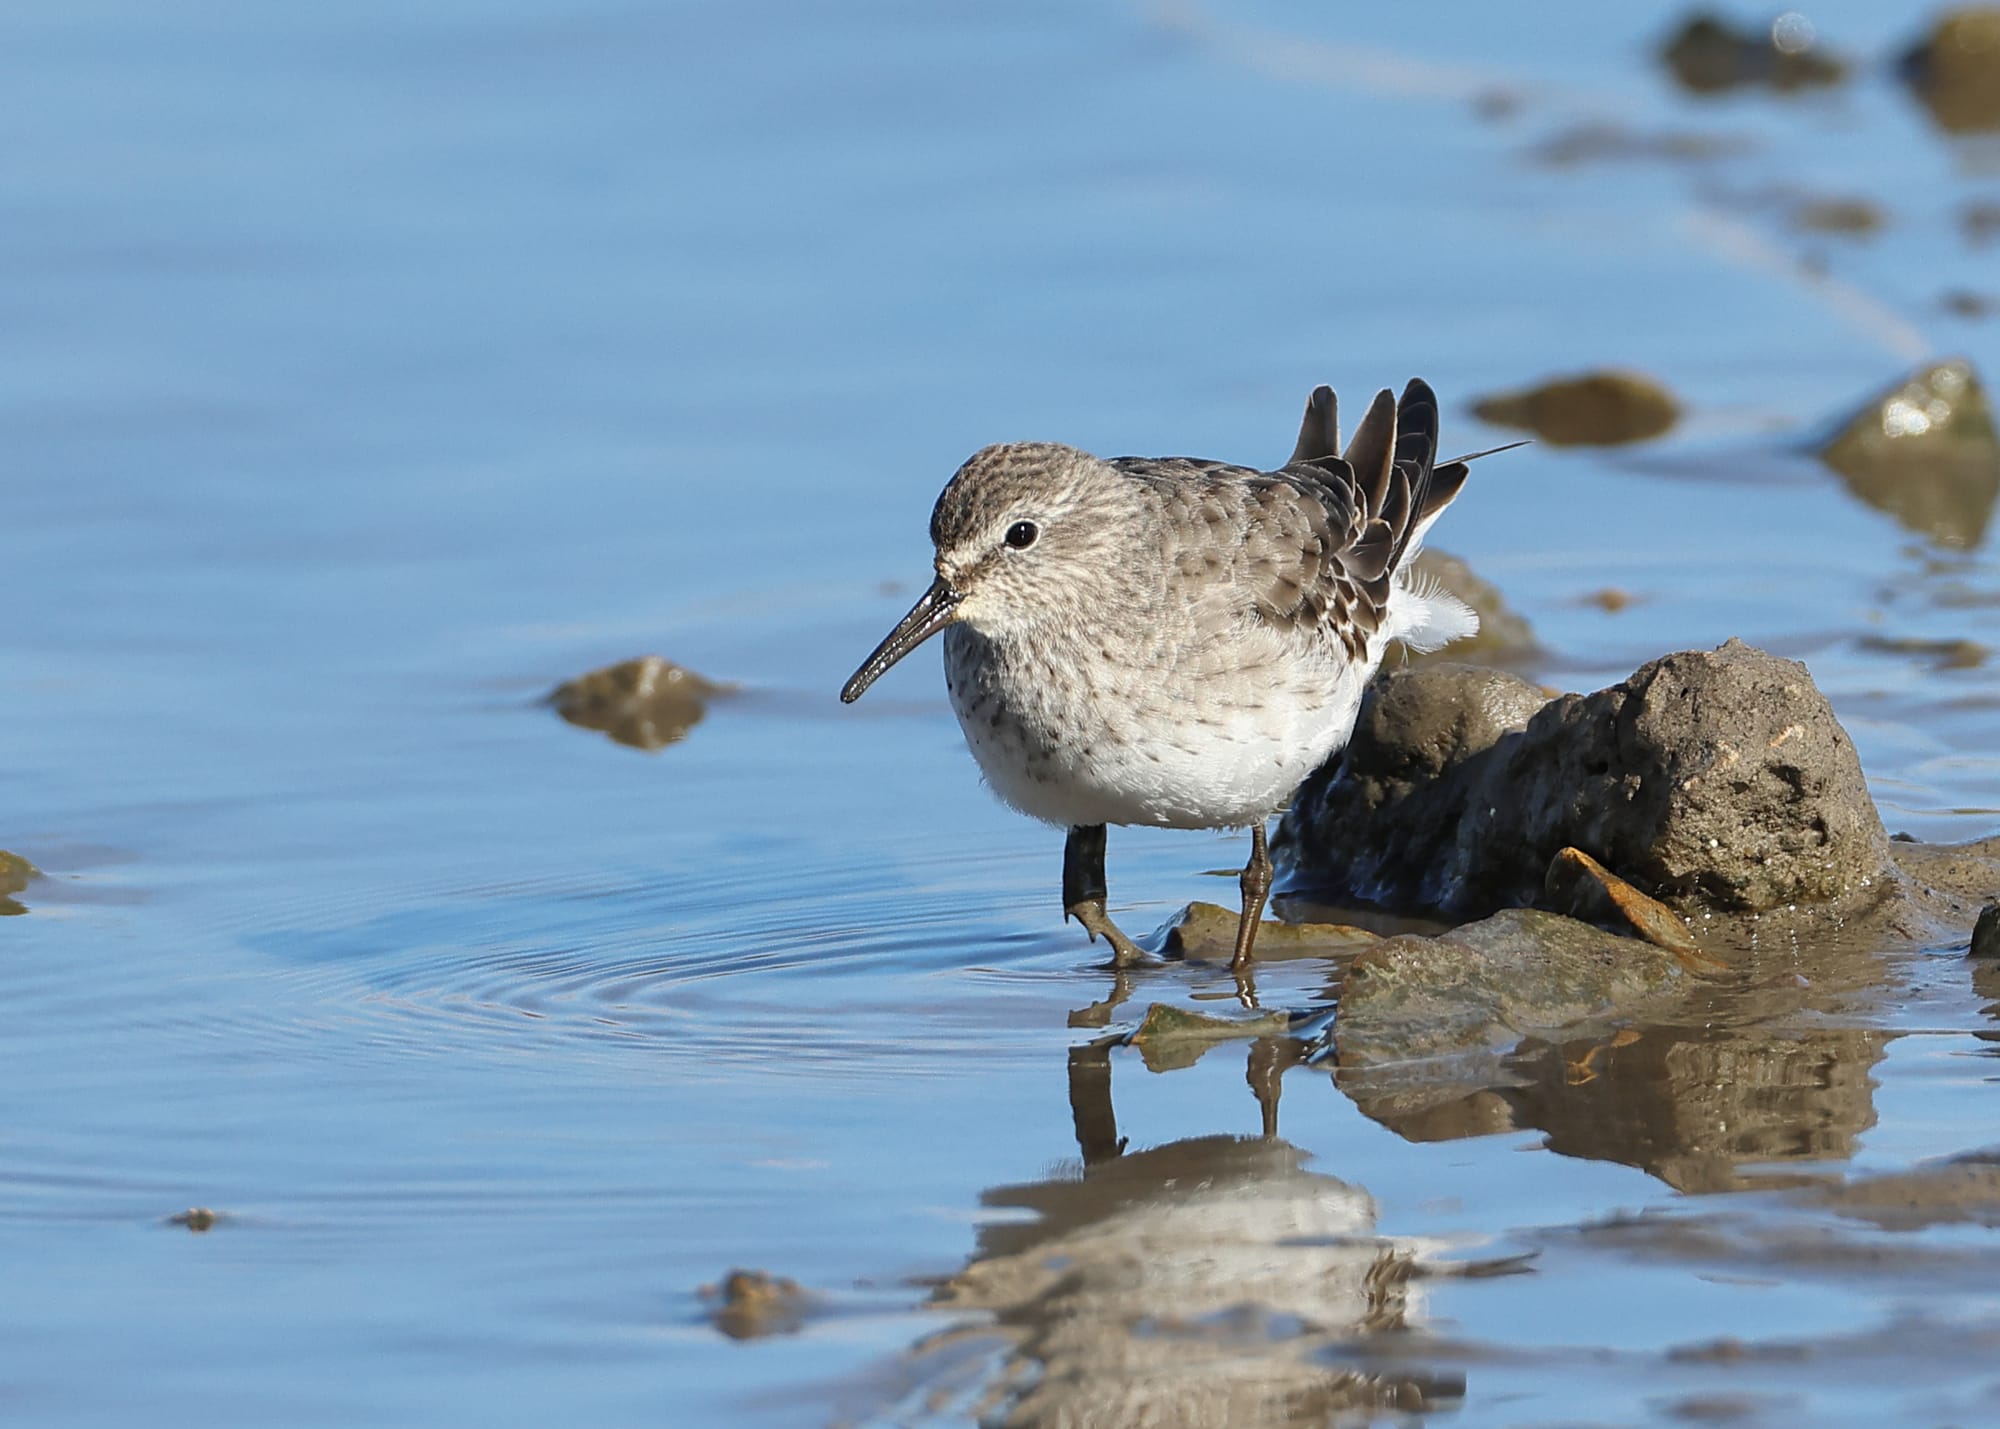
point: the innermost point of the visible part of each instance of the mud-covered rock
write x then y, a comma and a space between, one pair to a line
1924, 450
1486, 985
647, 703
1716, 781
1710, 55
1955, 70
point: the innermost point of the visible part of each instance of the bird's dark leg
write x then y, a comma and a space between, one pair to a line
1090, 1104
1256, 885
1083, 893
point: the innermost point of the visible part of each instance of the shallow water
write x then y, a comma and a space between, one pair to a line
372, 372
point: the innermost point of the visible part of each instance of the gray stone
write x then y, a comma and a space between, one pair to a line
1716, 781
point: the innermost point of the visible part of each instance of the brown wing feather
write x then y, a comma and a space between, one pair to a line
1319, 433
1313, 547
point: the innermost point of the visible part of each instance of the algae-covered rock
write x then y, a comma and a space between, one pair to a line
1607, 408
1709, 54
1488, 984
1925, 451
1955, 70
647, 703
16, 873
1208, 930
1716, 781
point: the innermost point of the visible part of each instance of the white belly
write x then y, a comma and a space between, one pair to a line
1198, 758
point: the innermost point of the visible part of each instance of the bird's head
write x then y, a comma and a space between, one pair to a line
1025, 534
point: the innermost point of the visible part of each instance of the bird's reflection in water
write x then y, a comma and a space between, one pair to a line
1201, 1282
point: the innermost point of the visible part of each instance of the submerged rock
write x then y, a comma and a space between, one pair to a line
1208, 931
1488, 984
749, 1304
1955, 70
1595, 409
1173, 1037
16, 873
647, 703
1849, 217
1718, 781
1925, 451
1710, 55
1962, 1190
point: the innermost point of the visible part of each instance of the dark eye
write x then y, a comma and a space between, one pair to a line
1021, 534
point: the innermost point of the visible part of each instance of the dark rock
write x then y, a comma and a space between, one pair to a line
1986, 933
647, 703
1955, 70
1374, 825
1719, 781
1486, 985
1925, 451
1709, 55
1593, 409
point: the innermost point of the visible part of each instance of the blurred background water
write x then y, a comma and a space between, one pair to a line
370, 369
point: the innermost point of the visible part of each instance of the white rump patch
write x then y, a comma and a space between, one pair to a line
1425, 616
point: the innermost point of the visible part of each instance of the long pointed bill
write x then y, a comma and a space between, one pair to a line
934, 610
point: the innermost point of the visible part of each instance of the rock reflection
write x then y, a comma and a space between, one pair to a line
648, 703
1695, 1107
1925, 451
1201, 1282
